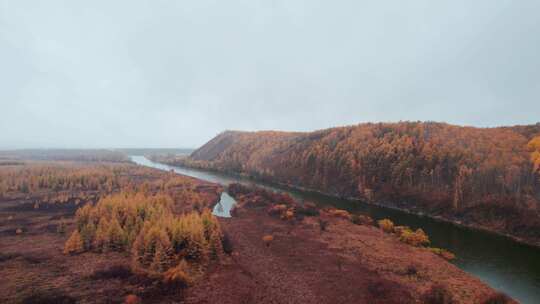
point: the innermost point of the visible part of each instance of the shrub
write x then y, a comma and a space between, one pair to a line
287, 215
443, 253
438, 294
132, 299
498, 298
361, 219
74, 244
400, 229
386, 225
178, 276
277, 209
416, 238
340, 213
308, 209
267, 239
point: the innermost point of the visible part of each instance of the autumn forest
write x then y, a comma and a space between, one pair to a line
482, 177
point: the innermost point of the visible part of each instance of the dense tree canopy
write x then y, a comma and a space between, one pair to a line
440, 168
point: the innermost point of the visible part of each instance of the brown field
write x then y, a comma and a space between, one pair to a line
271, 251
33, 268
340, 263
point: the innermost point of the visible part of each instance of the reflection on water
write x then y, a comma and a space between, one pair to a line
223, 207
502, 263
218, 210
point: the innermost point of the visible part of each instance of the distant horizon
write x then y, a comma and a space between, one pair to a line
266, 130
90, 149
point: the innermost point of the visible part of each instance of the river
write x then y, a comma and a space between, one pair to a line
502, 263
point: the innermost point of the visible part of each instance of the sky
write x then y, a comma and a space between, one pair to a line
112, 74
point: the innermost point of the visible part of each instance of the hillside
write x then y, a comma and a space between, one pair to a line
483, 177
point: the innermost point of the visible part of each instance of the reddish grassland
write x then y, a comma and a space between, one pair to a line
74, 232
36, 223
321, 256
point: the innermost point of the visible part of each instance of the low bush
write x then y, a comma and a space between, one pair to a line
74, 244
361, 219
399, 229
365, 220
443, 253
340, 213
132, 299
267, 239
288, 215
277, 209
386, 225
307, 209
415, 238
178, 276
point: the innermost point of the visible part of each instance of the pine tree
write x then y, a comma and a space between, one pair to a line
116, 236
74, 244
88, 233
101, 238
162, 258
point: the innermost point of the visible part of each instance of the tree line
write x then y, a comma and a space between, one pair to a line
482, 175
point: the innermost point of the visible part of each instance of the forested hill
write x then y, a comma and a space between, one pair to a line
481, 176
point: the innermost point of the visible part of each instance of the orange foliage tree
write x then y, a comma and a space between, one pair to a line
438, 168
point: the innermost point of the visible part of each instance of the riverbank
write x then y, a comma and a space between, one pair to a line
499, 261
455, 222
299, 255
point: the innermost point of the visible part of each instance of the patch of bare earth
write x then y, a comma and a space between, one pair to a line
346, 263
34, 267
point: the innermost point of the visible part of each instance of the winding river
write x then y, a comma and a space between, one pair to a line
508, 266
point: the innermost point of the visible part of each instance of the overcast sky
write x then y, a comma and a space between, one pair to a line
78, 74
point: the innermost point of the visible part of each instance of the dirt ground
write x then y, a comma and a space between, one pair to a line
346, 263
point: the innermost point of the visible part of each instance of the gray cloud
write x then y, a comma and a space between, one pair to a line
175, 73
